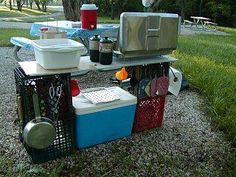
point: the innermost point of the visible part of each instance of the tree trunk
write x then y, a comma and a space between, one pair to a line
44, 7
182, 10
112, 9
10, 4
71, 9
37, 4
155, 6
19, 6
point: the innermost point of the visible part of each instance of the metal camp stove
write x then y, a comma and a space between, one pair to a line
147, 34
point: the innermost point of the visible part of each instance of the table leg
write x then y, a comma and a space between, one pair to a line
85, 42
202, 24
195, 22
16, 49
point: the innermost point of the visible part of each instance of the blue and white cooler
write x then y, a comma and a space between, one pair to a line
102, 115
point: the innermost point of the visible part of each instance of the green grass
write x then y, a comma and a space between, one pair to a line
6, 34
210, 65
42, 19
5, 12
107, 20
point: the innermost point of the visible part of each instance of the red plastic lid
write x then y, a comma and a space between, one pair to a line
75, 90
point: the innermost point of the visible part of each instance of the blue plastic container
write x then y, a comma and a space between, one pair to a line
99, 123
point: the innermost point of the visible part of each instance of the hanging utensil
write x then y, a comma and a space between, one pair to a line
175, 77
159, 85
133, 80
144, 82
40, 132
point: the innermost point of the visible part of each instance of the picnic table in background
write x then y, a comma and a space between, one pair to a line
200, 22
72, 29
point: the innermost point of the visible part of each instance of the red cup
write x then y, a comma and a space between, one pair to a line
44, 29
75, 90
88, 15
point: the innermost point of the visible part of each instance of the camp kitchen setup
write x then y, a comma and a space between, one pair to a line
57, 118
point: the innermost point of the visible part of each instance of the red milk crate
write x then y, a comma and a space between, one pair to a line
149, 113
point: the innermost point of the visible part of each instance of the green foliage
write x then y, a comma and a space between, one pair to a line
105, 6
220, 9
222, 12
7, 13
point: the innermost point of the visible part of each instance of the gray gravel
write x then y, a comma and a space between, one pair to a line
185, 145
187, 30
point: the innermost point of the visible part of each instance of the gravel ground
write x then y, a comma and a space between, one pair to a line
192, 31
185, 145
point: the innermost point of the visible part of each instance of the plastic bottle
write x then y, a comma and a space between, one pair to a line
105, 51
94, 48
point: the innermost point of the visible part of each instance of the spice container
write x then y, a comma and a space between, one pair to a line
94, 48
105, 51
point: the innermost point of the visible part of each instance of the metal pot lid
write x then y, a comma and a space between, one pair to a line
40, 135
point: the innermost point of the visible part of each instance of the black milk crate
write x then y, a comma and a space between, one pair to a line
62, 116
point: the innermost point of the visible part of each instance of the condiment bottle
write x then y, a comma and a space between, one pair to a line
94, 48
105, 51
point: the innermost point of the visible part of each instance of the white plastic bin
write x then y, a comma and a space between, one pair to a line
58, 53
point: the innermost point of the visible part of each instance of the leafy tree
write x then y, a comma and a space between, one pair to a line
20, 4
42, 3
155, 6
71, 9
10, 3
37, 2
219, 9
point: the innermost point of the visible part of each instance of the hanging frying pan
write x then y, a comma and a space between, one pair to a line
40, 132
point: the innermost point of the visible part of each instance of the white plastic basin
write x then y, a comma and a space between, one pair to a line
58, 53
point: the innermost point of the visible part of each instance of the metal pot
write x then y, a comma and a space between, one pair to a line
40, 132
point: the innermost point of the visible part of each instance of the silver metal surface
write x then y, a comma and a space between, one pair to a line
147, 34
40, 132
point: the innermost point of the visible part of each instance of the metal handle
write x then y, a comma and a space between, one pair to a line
19, 107
153, 32
36, 105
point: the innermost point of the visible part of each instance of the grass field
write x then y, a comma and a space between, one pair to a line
210, 65
5, 12
209, 62
6, 34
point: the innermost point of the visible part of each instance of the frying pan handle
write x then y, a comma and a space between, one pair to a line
36, 105
19, 107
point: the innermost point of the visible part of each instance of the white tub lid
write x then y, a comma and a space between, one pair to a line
59, 45
84, 106
88, 7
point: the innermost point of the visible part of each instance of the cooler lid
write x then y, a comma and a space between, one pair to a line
88, 7
84, 106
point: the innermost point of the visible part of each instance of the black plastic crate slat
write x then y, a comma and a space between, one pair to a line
62, 114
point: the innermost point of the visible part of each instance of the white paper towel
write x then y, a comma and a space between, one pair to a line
174, 86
